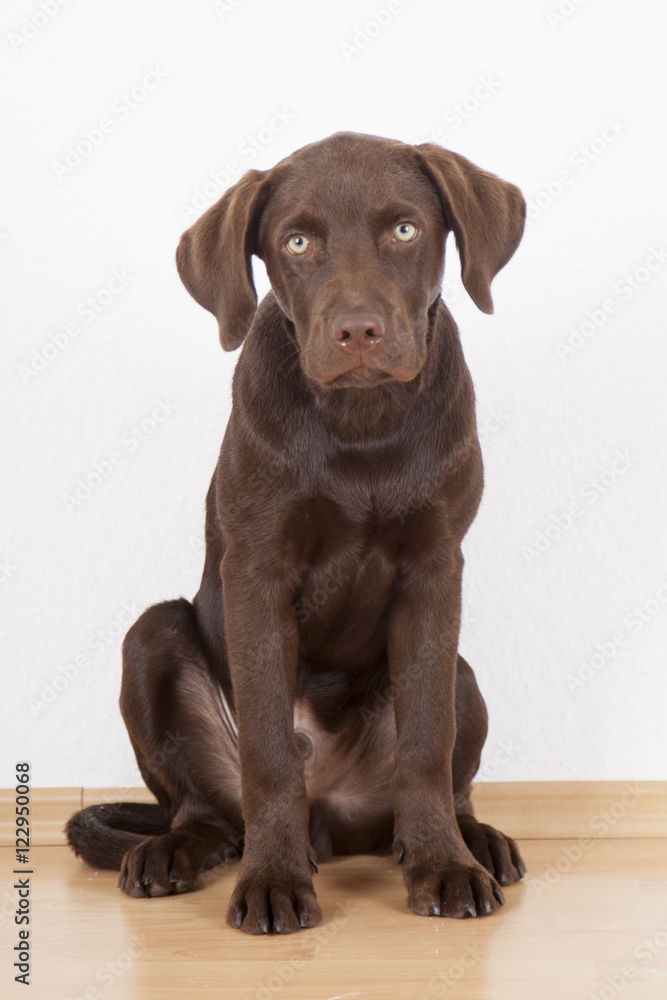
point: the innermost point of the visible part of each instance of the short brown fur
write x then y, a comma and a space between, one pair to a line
311, 699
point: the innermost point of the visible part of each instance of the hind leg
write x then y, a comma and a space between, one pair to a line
494, 850
185, 744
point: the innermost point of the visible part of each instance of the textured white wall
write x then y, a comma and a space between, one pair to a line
111, 368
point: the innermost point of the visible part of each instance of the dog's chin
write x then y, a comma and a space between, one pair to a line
360, 377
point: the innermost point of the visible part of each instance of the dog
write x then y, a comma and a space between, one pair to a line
311, 700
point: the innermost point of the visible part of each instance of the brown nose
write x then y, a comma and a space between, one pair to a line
357, 331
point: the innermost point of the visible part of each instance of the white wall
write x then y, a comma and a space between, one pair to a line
569, 106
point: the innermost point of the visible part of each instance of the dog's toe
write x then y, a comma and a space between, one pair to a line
161, 866
278, 902
497, 853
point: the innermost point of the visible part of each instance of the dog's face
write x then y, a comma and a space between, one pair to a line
353, 243
352, 231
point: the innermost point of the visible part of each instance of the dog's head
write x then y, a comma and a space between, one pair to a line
352, 232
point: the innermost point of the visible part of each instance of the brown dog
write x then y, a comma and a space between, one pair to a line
311, 700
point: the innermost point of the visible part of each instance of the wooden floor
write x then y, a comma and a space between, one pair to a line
585, 923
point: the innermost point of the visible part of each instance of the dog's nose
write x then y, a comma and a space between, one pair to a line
357, 331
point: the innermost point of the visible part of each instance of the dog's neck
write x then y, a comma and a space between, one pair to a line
373, 412
362, 414
269, 371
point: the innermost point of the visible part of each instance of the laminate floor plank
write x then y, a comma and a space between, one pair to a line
587, 923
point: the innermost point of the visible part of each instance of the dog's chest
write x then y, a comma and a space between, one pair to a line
350, 562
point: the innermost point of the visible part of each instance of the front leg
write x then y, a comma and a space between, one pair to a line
441, 875
274, 889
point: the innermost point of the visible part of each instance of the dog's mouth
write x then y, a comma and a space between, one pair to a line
393, 357
360, 375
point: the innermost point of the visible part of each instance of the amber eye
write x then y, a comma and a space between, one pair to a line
405, 232
297, 244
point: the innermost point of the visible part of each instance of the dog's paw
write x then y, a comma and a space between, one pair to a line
496, 852
447, 887
273, 900
170, 863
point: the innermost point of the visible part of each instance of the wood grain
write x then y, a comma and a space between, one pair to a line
50, 808
525, 809
580, 921
538, 809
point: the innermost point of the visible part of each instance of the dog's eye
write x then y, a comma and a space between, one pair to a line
297, 244
405, 231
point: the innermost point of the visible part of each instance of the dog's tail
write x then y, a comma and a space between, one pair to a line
102, 835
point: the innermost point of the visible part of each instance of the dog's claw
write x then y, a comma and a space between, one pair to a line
173, 876
472, 912
435, 909
499, 896
263, 925
314, 864
123, 883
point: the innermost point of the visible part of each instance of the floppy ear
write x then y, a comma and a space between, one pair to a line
486, 214
213, 258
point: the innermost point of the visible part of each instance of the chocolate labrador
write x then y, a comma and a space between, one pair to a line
311, 700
